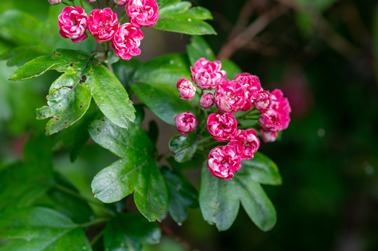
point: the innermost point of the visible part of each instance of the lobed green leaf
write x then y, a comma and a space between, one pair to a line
137, 170
219, 199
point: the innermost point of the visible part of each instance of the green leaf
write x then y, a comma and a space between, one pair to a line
255, 202
181, 196
155, 85
261, 169
199, 48
128, 231
183, 147
68, 101
183, 23
38, 228
219, 199
137, 170
177, 16
62, 61
109, 95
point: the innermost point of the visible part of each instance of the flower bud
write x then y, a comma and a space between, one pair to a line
185, 122
186, 89
268, 135
207, 100
55, 1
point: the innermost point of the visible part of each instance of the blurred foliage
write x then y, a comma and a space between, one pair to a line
328, 157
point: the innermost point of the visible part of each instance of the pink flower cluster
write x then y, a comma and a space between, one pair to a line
103, 25
243, 93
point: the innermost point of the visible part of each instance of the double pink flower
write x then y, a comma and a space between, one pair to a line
142, 12
73, 23
103, 24
223, 162
206, 74
126, 41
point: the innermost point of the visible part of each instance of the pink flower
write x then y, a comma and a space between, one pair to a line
55, 1
102, 24
270, 119
207, 100
126, 41
263, 101
246, 143
223, 162
222, 126
279, 112
282, 106
185, 122
206, 74
143, 12
251, 86
229, 96
186, 89
120, 2
268, 135
91, 1
72, 23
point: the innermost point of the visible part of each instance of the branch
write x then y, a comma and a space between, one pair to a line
251, 31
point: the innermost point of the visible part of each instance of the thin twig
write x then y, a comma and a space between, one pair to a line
252, 30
